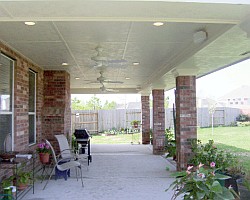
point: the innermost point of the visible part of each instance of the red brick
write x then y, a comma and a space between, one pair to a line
158, 122
186, 119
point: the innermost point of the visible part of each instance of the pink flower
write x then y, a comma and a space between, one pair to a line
200, 165
212, 164
201, 175
41, 145
189, 168
188, 172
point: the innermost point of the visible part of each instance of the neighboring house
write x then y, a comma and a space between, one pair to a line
207, 102
129, 105
134, 105
238, 98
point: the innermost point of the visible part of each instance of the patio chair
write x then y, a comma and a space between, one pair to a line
65, 166
65, 150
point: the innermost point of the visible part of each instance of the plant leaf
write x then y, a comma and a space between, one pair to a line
221, 176
216, 187
226, 195
200, 195
178, 174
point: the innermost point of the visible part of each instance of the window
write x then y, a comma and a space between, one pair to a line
6, 102
32, 107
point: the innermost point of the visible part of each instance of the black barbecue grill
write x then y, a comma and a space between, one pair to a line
83, 138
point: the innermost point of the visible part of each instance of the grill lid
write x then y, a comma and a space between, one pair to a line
81, 134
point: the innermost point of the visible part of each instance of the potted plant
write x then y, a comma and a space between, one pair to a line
201, 183
44, 152
21, 178
7, 186
135, 123
244, 186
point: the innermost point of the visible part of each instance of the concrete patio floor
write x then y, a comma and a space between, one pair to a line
116, 172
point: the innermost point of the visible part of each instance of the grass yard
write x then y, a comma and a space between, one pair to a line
232, 139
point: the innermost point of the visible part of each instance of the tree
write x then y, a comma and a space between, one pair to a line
76, 104
93, 104
109, 105
166, 102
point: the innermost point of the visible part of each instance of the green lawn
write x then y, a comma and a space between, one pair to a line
233, 139
236, 137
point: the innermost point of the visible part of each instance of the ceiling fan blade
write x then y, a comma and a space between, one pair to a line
121, 61
110, 81
103, 61
111, 90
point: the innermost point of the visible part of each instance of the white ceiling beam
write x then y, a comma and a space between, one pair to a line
118, 19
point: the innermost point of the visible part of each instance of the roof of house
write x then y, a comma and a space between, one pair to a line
241, 92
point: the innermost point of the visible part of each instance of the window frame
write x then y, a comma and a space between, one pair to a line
12, 99
33, 113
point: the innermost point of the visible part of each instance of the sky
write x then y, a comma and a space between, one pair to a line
213, 86
219, 83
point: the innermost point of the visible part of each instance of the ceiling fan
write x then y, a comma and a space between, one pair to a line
103, 61
101, 79
104, 89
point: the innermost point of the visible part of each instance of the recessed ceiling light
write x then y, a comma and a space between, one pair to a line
158, 23
77, 78
136, 63
65, 64
30, 23
127, 78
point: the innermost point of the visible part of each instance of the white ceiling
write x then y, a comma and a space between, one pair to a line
69, 31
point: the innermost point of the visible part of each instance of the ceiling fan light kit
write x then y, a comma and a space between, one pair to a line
199, 36
102, 61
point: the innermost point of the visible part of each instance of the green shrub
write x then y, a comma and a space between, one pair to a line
242, 118
207, 153
243, 123
170, 143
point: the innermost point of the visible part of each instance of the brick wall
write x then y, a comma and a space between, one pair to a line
186, 118
158, 122
21, 99
145, 120
56, 110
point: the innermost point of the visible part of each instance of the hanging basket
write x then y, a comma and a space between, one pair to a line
44, 158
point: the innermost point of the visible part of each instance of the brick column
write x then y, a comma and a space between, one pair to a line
145, 119
56, 109
186, 118
158, 122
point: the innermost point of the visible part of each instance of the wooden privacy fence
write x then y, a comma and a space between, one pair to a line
96, 121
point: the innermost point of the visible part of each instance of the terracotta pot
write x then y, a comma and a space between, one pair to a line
44, 158
22, 186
